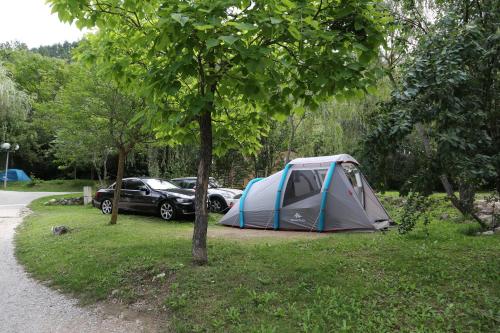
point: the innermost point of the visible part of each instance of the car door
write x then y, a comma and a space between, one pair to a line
125, 196
140, 200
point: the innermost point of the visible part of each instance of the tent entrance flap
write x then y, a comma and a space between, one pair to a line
300, 208
344, 209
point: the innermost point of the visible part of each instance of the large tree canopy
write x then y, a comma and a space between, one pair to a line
448, 97
211, 62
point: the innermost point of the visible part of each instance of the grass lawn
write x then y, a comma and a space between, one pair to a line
448, 281
56, 185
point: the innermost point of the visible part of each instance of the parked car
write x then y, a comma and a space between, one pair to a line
220, 198
148, 195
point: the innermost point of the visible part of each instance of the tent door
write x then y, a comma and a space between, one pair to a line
301, 199
356, 179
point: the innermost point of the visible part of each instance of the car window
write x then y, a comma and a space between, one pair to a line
134, 184
125, 184
189, 184
177, 182
212, 183
160, 184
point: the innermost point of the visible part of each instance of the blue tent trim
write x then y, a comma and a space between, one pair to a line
15, 175
324, 195
277, 203
242, 201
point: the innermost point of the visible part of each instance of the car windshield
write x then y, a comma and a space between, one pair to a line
212, 183
159, 184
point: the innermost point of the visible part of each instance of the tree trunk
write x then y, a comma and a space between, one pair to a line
105, 167
153, 165
293, 130
447, 185
467, 193
122, 154
94, 166
199, 249
458, 203
97, 171
290, 140
99, 178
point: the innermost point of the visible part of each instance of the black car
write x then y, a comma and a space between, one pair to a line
148, 195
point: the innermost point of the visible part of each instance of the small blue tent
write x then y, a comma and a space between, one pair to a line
15, 175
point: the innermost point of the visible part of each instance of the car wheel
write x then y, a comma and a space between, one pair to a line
217, 205
167, 211
106, 207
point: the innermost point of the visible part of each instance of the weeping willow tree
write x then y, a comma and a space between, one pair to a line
14, 105
338, 127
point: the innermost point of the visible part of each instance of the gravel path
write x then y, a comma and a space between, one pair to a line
26, 305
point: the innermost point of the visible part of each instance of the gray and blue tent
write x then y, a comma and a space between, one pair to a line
327, 193
15, 175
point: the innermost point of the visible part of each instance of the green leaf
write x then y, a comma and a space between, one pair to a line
294, 32
180, 18
358, 25
275, 20
280, 116
361, 47
228, 39
299, 110
288, 3
242, 26
203, 27
212, 43
312, 22
365, 57
372, 90
343, 12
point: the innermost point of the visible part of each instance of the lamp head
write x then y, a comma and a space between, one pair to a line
16, 147
5, 146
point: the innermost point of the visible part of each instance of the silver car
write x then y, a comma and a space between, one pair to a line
220, 198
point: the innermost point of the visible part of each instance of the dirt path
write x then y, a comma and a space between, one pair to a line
249, 234
26, 305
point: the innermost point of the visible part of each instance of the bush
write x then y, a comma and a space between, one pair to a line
417, 207
34, 181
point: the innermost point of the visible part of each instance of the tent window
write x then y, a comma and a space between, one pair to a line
354, 175
322, 175
302, 184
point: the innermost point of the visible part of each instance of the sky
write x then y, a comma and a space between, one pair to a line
30, 22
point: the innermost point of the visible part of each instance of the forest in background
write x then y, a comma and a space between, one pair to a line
433, 112
45, 74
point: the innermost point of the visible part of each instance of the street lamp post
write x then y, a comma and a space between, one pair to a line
7, 147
